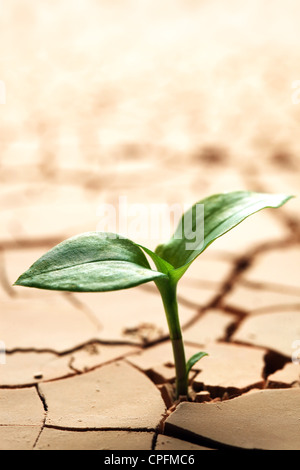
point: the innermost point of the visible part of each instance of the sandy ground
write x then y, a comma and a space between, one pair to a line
155, 103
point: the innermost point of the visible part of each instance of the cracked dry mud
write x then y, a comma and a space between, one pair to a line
95, 371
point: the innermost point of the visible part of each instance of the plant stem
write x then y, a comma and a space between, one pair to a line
169, 298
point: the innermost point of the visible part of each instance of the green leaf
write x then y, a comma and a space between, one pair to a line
162, 265
90, 262
193, 360
222, 212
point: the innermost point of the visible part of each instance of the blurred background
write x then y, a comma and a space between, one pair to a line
161, 102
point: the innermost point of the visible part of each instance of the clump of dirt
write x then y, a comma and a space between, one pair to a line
145, 332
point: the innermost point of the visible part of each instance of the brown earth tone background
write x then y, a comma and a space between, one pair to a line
157, 102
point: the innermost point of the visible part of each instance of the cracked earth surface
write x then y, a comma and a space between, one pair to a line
95, 371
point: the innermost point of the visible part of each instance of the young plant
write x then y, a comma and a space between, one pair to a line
99, 262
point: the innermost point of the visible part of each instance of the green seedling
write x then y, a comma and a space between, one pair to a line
99, 262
